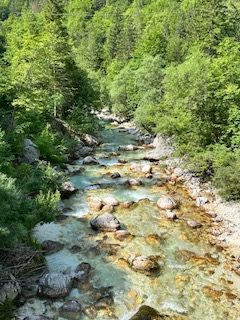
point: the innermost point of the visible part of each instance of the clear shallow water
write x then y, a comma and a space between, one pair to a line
195, 281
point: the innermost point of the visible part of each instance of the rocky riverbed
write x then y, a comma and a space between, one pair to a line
132, 242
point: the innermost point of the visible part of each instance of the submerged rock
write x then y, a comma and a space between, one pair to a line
105, 222
145, 264
50, 246
115, 175
122, 235
71, 310
68, 189
55, 285
167, 203
194, 224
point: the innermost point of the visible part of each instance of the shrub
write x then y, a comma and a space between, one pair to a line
227, 180
50, 146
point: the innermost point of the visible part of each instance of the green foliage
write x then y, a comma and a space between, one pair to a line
171, 65
29, 198
227, 180
6, 310
50, 146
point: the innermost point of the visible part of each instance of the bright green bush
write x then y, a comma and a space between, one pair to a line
50, 146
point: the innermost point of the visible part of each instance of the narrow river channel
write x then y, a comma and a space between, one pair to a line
194, 280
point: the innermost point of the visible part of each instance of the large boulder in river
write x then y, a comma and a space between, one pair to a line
71, 310
90, 160
55, 285
145, 264
147, 313
30, 151
37, 318
167, 203
68, 189
105, 222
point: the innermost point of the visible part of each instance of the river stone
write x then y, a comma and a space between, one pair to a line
115, 175
145, 264
50, 246
127, 204
68, 189
135, 167
194, 224
105, 222
30, 151
147, 169
167, 203
9, 291
134, 182
129, 147
90, 160
84, 151
95, 204
74, 170
55, 285
121, 235
71, 310
110, 201
171, 215
146, 313
82, 272
37, 318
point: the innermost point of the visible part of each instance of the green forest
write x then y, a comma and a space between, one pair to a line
171, 65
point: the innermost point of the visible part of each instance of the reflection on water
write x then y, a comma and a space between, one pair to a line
195, 280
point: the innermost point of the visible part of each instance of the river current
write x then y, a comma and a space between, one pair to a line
195, 281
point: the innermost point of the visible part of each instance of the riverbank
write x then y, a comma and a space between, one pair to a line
225, 214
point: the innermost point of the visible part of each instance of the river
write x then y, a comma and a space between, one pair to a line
195, 280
